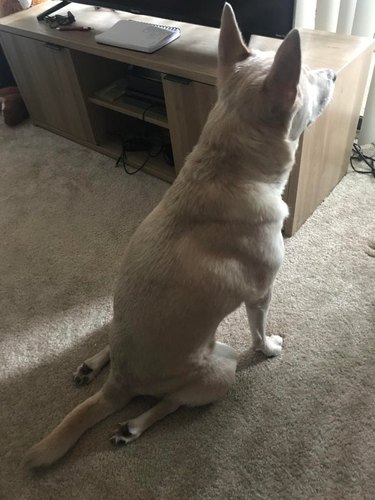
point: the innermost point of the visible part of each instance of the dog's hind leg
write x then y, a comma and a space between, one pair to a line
132, 429
89, 369
109, 399
257, 316
211, 384
225, 351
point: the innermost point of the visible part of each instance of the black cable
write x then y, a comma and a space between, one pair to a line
359, 156
123, 157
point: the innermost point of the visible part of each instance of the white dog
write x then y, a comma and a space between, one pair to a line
213, 243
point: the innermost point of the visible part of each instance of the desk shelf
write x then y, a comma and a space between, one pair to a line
156, 115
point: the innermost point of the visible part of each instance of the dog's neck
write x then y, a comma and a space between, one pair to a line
243, 153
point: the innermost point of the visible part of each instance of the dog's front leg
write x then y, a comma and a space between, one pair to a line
257, 316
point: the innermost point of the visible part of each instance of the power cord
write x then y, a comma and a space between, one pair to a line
359, 156
138, 143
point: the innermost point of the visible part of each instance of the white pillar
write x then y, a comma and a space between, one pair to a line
364, 25
327, 13
304, 14
364, 19
367, 133
346, 16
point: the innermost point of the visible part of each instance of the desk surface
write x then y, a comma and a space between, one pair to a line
192, 56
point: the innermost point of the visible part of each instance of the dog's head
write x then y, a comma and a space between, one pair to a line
273, 89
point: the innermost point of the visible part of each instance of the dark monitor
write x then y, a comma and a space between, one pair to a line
272, 18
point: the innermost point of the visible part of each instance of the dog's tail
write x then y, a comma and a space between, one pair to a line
66, 434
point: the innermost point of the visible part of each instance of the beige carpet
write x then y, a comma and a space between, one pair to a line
298, 427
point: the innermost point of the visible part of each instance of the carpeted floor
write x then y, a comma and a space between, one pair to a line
301, 426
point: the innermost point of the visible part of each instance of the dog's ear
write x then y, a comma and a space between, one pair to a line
232, 48
282, 81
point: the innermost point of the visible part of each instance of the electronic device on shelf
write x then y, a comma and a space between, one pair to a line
141, 87
273, 18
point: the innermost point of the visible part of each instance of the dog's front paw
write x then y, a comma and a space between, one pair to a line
83, 375
124, 435
271, 346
